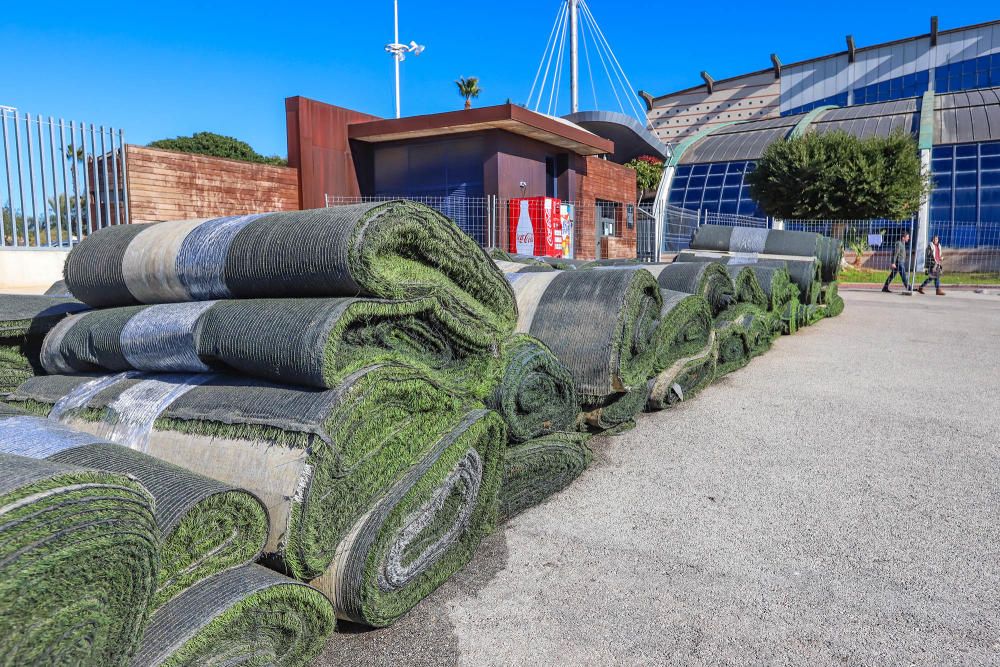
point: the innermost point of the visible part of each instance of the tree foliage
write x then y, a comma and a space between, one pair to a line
468, 87
836, 176
648, 171
217, 145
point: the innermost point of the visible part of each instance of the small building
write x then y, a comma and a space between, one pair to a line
467, 164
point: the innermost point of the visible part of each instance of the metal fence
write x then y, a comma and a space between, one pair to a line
599, 229
59, 180
868, 244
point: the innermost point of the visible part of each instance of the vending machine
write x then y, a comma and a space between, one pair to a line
535, 226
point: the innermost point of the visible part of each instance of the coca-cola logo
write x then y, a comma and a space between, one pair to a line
526, 238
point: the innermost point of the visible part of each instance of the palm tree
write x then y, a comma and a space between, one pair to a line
468, 88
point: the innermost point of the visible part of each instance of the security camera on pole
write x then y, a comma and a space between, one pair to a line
399, 51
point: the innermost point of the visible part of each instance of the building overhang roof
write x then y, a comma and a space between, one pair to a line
508, 117
631, 138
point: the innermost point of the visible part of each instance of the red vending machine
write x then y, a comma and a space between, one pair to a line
535, 226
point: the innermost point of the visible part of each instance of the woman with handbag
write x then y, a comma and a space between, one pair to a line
932, 260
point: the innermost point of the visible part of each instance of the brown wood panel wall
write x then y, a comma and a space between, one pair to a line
169, 185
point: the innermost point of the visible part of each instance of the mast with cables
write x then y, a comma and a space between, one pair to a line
575, 18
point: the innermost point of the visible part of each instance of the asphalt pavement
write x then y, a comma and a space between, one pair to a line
836, 502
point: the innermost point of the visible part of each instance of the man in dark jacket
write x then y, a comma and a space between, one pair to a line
899, 257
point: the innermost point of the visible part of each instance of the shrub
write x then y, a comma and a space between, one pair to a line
648, 170
217, 145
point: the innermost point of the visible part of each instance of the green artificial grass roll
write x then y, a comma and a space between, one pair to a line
317, 459
206, 526
835, 306
733, 351
756, 241
425, 526
245, 616
78, 558
684, 378
828, 293
707, 279
685, 327
790, 316
535, 394
24, 321
390, 250
776, 284
310, 342
804, 272
601, 324
536, 469
754, 321
748, 288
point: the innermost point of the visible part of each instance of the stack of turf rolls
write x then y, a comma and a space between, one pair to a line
317, 402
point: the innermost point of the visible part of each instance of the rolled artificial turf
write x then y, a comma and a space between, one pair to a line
389, 250
24, 321
733, 347
206, 526
751, 240
684, 378
755, 321
804, 272
536, 469
535, 394
317, 459
425, 527
790, 316
776, 284
835, 306
748, 288
313, 342
684, 328
522, 267
78, 559
707, 279
600, 324
248, 615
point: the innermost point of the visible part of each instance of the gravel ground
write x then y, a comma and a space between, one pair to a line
835, 502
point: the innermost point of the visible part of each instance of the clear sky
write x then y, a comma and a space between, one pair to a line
164, 69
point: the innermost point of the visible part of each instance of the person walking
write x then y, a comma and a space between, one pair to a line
932, 261
899, 257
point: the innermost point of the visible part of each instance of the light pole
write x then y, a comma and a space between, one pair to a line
398, 51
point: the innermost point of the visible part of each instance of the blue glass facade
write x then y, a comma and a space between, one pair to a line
901, 87
719, 187
965, 201
981, 72
839, 100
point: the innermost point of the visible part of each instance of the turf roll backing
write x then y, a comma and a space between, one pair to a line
535, 394
538, 468
752, 240
206, 526
317, 459
684, 378
313, 342
600, 324
425, 527
244, 616
708, 279
804, 272
24, 321
391, 250
78, 558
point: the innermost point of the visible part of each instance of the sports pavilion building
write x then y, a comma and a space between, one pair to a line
942, 87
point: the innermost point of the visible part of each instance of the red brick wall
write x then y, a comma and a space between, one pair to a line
170, 185
601, 179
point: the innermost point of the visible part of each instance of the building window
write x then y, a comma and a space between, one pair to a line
965, 195
607, 216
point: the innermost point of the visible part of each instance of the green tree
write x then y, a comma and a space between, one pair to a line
468, 87
648, 172
217, 145
836, 176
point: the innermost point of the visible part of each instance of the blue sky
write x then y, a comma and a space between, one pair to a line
162, 70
